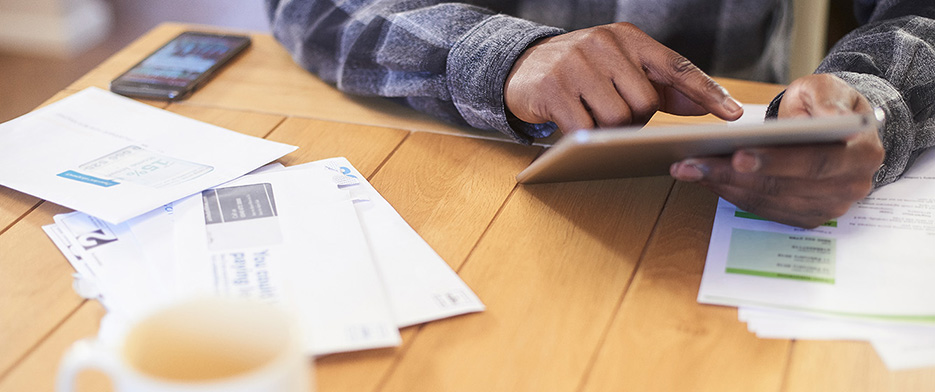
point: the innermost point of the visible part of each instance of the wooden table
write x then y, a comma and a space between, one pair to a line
590, 286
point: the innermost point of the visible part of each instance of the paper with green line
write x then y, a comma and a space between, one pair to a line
867, 275
878, 259
780, 255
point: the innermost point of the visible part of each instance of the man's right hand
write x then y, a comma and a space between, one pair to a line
607, 76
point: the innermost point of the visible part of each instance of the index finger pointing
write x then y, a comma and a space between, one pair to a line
669, 68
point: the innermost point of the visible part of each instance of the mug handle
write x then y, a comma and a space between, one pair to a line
85, 354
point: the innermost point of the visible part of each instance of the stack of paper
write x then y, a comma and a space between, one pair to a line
864, 276
315, 238
155, 226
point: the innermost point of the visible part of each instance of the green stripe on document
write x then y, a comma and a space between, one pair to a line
747, 215
779, 275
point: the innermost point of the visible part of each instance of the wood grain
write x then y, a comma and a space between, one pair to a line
363, 370
365, 147
589, 286
449, 188
37, 372
249, 123
662, 339
35, 285
14, 204
425, 194
551, 269
850, 366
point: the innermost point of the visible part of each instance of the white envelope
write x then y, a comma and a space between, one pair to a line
112, 255
291, 238
154, 232
420, 286
114, 158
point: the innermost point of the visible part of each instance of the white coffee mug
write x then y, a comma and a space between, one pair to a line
204, 345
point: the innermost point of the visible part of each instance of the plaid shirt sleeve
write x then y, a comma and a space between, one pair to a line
450, 60
891, 61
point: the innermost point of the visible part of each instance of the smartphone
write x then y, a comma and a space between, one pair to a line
180, 67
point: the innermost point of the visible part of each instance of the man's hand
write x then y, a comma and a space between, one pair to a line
606, 76
798, 185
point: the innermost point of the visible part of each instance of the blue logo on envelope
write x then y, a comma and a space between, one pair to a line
73, 175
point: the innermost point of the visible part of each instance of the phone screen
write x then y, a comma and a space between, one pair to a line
177, 68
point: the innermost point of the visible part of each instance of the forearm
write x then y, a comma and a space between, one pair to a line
447, 59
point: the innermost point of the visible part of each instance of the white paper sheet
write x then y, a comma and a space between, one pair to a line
291, 238
112, 256
900, 344
902, 354
400, 280
420, 286
85, 281
752, 114
785, 324
154, 232
874, 260
864, 276
114, 158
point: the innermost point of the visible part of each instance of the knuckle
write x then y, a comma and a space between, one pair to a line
573, 58
542, 110
710, 87
599, 36
619, 118
555, 86
624, 28
549, 80
681, 66
646, 106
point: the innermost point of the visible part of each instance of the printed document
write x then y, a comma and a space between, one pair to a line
420, 286
115, 158
863, 276
316, 238
875, 260
289, 237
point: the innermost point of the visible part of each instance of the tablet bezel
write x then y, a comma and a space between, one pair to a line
636, 152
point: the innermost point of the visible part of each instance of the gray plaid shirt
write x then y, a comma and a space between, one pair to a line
452, 59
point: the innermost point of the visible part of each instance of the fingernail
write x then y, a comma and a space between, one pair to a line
688, 170
732, 105
746, 161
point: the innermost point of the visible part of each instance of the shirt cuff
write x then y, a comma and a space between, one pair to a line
478, 65
897, 130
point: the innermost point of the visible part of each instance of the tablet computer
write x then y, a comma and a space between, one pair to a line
635, 152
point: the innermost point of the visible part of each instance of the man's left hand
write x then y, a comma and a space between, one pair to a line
805, 185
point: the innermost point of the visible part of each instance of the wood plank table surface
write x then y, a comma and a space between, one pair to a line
589, 286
